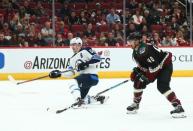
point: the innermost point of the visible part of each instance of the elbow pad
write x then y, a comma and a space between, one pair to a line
68, 74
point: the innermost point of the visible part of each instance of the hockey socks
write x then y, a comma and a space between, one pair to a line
137, 95
178, 111
132, 109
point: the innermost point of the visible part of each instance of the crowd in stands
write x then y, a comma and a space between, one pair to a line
29, 23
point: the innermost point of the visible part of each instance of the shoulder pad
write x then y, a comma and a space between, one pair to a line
149, 43
89, 49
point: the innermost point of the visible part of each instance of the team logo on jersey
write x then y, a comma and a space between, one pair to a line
2, 60
141, 50
81, 56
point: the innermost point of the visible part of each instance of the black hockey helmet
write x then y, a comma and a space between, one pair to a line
134, 36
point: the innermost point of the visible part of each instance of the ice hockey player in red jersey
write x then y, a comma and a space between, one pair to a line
152, 64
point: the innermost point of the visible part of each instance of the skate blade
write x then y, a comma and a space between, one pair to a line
179, 115
132, 112
80, 107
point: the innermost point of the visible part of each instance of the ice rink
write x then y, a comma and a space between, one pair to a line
23, 107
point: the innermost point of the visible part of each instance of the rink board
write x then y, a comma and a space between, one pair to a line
116, 62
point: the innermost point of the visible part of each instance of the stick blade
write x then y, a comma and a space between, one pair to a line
60, 111
12, 80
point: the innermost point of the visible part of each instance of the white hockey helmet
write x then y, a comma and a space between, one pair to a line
76, 40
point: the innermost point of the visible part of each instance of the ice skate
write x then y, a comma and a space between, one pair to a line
102, 99
133, 108
178, 112
79, 104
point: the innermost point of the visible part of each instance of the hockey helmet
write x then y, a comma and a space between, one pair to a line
76, 40
135, 36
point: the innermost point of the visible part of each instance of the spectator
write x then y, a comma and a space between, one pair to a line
117, 30
32, 30
59, 40
32, 41
47, 33
166, 13
98, 14
19, 30
148, 18
83, 19
102, 39
112, 17
25, 23
168, 30
40, 41
99, 8
14, 21
6, 31
22, 11
156, 39
177, 13
89, 32
67, 41
90, 35
27, 9
155, 13
4, 42
5, 4
92, 15
111, 41
65, 12
85, 42
145, 30
39, 10
180, 39
1, 21
14, 40
145, 38
130, 30
14, 4
174, 25
119, 39
168, 41
73, 19
62, 29
118, 33
132, 4
137, 18
22, 42
101, 20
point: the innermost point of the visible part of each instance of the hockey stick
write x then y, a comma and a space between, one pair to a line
76, 103
110, 88
62, 110
38, 78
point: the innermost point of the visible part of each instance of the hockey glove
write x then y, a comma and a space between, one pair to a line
55, 74
82, 66
135, 74
141, 81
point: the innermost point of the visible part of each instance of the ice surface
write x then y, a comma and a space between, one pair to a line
23, 108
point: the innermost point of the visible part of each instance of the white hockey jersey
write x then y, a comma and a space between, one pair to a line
85, 55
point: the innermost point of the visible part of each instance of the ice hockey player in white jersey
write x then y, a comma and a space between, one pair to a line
84, 61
